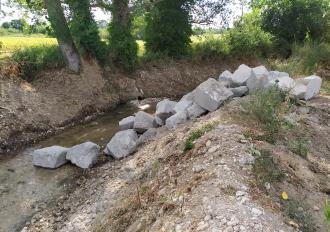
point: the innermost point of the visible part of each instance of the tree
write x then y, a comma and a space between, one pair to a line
168, 28
294, 20
63, 35
85, 31
123, 46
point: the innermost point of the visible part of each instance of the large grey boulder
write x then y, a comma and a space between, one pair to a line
226, 78
143, 122
285, 83
127, 123
307, 88
176, 119
239, 91
195, 111
258, 80
165, 109
50, 157
147, 136
84, 155
188, 96
241, 75
122, 144
159, 121
211, 94
274, 75
182, 105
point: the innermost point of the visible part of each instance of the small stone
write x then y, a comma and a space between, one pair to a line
240, 193
212, 149
229, 229
208, 143
267, 186
315, 208
202, 226
256, 212
300, 209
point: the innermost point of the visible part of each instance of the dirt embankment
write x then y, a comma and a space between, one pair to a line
57, 98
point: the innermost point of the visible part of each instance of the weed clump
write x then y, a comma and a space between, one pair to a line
267, 106
196, 134
299, 147
327, 214
265, 169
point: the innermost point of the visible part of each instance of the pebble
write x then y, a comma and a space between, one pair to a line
256, 212
208, 143
212, 149
316, 208
240, 193
202, 226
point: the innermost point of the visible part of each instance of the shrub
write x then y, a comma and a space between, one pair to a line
266, 106
247, 38
293, 20
168, 28
33, 59
209, 46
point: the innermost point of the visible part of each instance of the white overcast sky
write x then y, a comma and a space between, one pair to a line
9, 13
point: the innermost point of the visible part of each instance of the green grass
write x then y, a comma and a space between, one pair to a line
299, 147
197, 133
327, 214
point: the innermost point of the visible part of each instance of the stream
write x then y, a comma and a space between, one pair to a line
23, 187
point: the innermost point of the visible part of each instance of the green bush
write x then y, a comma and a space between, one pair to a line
294, 20
123, 46
266, 106
210, 46
168, 28
85, 31
33, 59
247, 38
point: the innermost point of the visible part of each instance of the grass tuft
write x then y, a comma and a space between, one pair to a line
299, 147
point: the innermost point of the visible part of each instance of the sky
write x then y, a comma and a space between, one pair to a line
9, 13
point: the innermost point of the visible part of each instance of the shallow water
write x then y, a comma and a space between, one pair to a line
23, 187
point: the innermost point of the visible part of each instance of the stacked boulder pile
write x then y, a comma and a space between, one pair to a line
207, 97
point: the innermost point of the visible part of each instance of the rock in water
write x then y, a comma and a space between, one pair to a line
143, 122
307, 88
50, 157
127, 123
241, 75
258, 80
84, 155
211, 94
122, 144
182, 105
176, 119
239, 91
195, 111
165, 109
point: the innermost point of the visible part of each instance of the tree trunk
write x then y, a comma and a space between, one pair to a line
63, 35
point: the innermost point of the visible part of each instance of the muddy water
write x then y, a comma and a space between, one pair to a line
23, 187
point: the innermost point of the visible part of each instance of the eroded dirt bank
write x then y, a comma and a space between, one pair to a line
57, 99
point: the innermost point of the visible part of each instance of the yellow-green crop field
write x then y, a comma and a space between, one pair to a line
11, 44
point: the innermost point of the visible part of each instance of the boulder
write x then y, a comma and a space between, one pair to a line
143, 122
147, 136
122, 144
274, 75
188, 96
258, 80
165, 109
307, 88
159, 121
226, 78
285, 83
176, 119
50, 157
195, 111
239, 91
211, 94
241, 75
84, 155
182, 105
127, 123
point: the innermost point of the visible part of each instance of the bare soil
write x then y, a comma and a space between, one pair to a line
58, 98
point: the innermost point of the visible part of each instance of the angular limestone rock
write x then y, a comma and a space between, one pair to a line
84, 155
195, 111
240, 91
122, 144
258, 80
165, 109
127, 123
211, 94
182, 105
307, 88
50, 157
226, 78
176, 119
143, 122
241, 75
